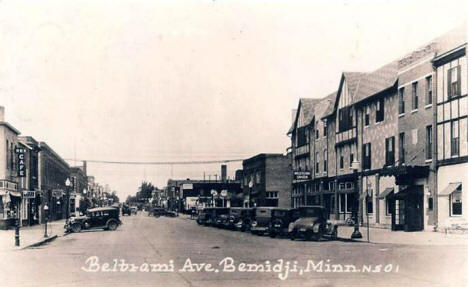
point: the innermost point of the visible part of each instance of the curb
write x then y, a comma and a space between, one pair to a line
41, 242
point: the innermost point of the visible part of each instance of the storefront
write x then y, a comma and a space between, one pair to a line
10, 204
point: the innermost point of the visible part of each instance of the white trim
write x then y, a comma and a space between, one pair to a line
428, 106
416, 80
428, 160
414, 111
422, 61
401, 115
449, 52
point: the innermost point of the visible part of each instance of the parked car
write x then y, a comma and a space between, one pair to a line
208, 215
262, 220
157, 211
96, 218
126, 210
220, 216
280, 220
236, 219
312, 223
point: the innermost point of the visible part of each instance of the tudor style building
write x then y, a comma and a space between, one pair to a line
406, 125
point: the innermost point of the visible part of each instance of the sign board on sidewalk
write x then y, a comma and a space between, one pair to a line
21, 169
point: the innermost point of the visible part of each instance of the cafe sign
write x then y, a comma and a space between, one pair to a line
29, 194
302, 175
21, 169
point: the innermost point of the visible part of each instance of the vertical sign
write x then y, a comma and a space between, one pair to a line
21, 162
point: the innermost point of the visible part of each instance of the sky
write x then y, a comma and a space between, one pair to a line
189, 80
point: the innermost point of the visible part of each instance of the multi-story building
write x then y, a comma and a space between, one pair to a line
10, 196
267, 180
79, 191
53, 173
29, 183
379, 152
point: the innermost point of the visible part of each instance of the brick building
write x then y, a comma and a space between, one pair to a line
267, 180
374, 150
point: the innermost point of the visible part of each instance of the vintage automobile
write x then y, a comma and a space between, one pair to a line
220, 216
208, 215
312, 223
280, 220
126, 210
262, 220
238, 218
96, 218
157, 211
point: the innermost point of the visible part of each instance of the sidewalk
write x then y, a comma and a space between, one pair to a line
379, 235
30, 235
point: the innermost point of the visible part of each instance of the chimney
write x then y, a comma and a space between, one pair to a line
293, 115
223, 172
2, 114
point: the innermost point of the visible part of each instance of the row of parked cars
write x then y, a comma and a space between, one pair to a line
309, 222
160, 211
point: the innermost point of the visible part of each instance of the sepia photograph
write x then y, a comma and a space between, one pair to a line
233, 143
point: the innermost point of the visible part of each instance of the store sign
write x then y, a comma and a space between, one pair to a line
302, 175
57, 193
187, 186
29, 194
21, 162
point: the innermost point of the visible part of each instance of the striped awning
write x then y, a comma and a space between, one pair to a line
450, 189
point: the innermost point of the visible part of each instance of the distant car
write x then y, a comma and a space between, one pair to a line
96, 218
209, 215
134, 210
239, 218
262, 220
157, 211
126, 210
312, 223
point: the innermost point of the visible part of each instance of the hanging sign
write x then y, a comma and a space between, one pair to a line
21, 169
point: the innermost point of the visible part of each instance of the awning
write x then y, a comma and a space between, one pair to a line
385, 193
15, 193
450, 189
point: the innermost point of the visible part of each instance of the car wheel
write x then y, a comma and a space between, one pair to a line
335, 234
76, 228
292, 236
112, 225
272, 234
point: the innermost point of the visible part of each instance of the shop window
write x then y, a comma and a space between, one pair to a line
349, 203
317, 163
342, 203
456, 203
389, 205
351, 159
325, 161
430, 203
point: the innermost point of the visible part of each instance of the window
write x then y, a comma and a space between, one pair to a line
429, 142
345, 119
341, 159
325, 161
389, 205
414, 93
401, 101
366, 117
430, 203
258, 177
351, 159
301, 136
12, 157
453, 82
7, 154
317, 135
456, 203
317, 164
429, 90
390, 151
324, 130
454, 138
366, 156
401, 148
380, 111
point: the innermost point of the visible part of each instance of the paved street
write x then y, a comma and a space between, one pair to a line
158, 240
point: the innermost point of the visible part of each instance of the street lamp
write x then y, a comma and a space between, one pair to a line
46, 217
355, 165
68, 184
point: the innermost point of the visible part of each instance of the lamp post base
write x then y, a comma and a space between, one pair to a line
356, 234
